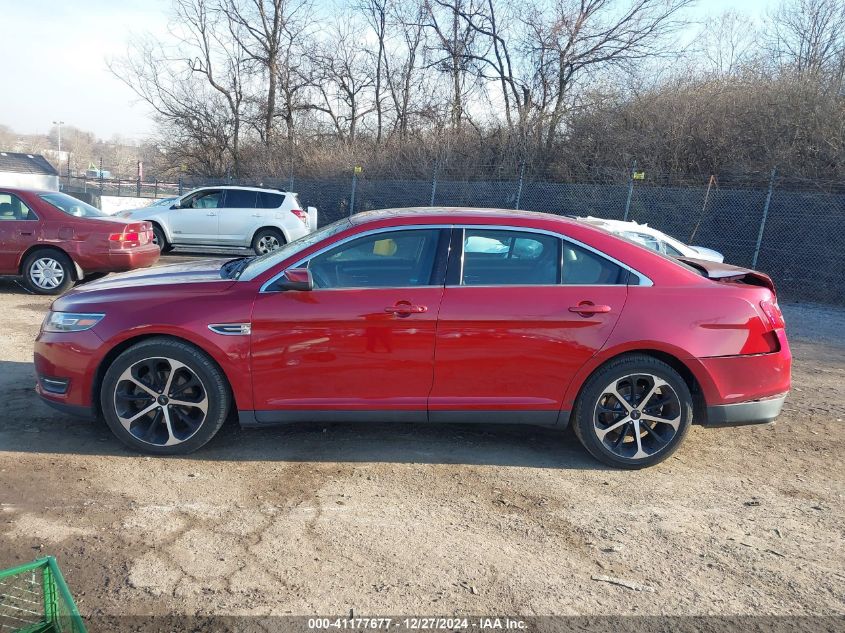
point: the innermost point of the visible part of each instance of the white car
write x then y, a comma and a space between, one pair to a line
230, 217
654, 239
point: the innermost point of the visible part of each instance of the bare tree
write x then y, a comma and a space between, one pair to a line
268, 31
453, 49
375, 13
809, 36
729, 42
198, 87
343, 79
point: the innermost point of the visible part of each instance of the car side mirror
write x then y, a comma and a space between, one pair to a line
296, 279
175, 206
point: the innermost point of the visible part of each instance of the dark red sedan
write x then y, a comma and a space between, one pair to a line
53, 240
426, 315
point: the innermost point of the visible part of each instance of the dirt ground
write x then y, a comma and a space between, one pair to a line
401, 519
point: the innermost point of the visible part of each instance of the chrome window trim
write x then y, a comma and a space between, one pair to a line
349, 238
644, 280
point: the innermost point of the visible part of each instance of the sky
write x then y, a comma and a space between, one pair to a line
53, 61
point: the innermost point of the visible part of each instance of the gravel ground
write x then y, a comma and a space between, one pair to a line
398, 519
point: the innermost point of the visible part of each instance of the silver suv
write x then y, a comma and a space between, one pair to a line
227, 216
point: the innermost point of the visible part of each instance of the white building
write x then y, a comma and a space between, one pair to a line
27, 171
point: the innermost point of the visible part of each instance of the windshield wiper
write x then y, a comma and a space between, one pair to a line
234, 267
238, 268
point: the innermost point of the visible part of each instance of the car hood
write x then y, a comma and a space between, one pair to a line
203, 275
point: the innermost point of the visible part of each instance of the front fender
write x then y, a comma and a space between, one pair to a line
231, 353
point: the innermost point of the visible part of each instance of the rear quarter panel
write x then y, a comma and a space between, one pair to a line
709, 327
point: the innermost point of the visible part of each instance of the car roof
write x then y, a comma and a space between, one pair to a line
456, 214
243, 188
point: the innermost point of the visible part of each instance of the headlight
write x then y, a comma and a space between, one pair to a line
70, 321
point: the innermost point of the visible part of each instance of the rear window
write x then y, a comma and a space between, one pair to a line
72, 206
583, 267
267, 200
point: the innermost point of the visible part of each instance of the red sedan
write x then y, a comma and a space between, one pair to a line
53, 240
426, 315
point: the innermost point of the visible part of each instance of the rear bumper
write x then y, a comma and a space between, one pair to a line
760, 411
141, 257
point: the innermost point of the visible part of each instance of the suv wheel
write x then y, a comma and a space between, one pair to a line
633, 412
47, 272
165, 397
267, 240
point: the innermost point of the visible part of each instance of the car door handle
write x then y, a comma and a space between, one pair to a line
586, 308
26, 232
256, 215
211, 214
404, 309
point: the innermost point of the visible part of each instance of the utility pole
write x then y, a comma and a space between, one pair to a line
59, 125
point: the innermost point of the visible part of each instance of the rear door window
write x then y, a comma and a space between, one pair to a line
239, 199
496, 257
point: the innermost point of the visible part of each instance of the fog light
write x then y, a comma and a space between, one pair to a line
55, 385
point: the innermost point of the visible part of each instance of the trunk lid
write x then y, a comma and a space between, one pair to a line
727, 273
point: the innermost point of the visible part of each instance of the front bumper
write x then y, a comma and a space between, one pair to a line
75, 410
760, 411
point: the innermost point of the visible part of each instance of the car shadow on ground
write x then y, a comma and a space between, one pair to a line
13, 286
30, 426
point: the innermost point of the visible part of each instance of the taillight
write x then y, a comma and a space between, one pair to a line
772, 311
301, 215
128, 239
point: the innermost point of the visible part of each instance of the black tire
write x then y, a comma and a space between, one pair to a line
159, 239
597, 414
123, 398
262, 236
47, 261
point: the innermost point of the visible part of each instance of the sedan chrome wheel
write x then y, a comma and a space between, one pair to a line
160, 401
637, 416
267, 243
47, 273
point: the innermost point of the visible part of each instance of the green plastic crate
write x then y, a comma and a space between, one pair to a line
35, 599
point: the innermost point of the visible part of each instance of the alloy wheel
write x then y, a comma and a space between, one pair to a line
160, 401
47, 273
637, 416
268, 243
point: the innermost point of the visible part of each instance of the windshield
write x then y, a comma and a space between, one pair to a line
72, 206
262, 263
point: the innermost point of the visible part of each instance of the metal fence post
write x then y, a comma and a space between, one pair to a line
433, 183
630, 191
155, 191
180, 184
763, 219
101, 175
519, 187
118, 187
352, 195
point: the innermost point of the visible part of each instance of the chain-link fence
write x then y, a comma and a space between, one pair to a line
793, 230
